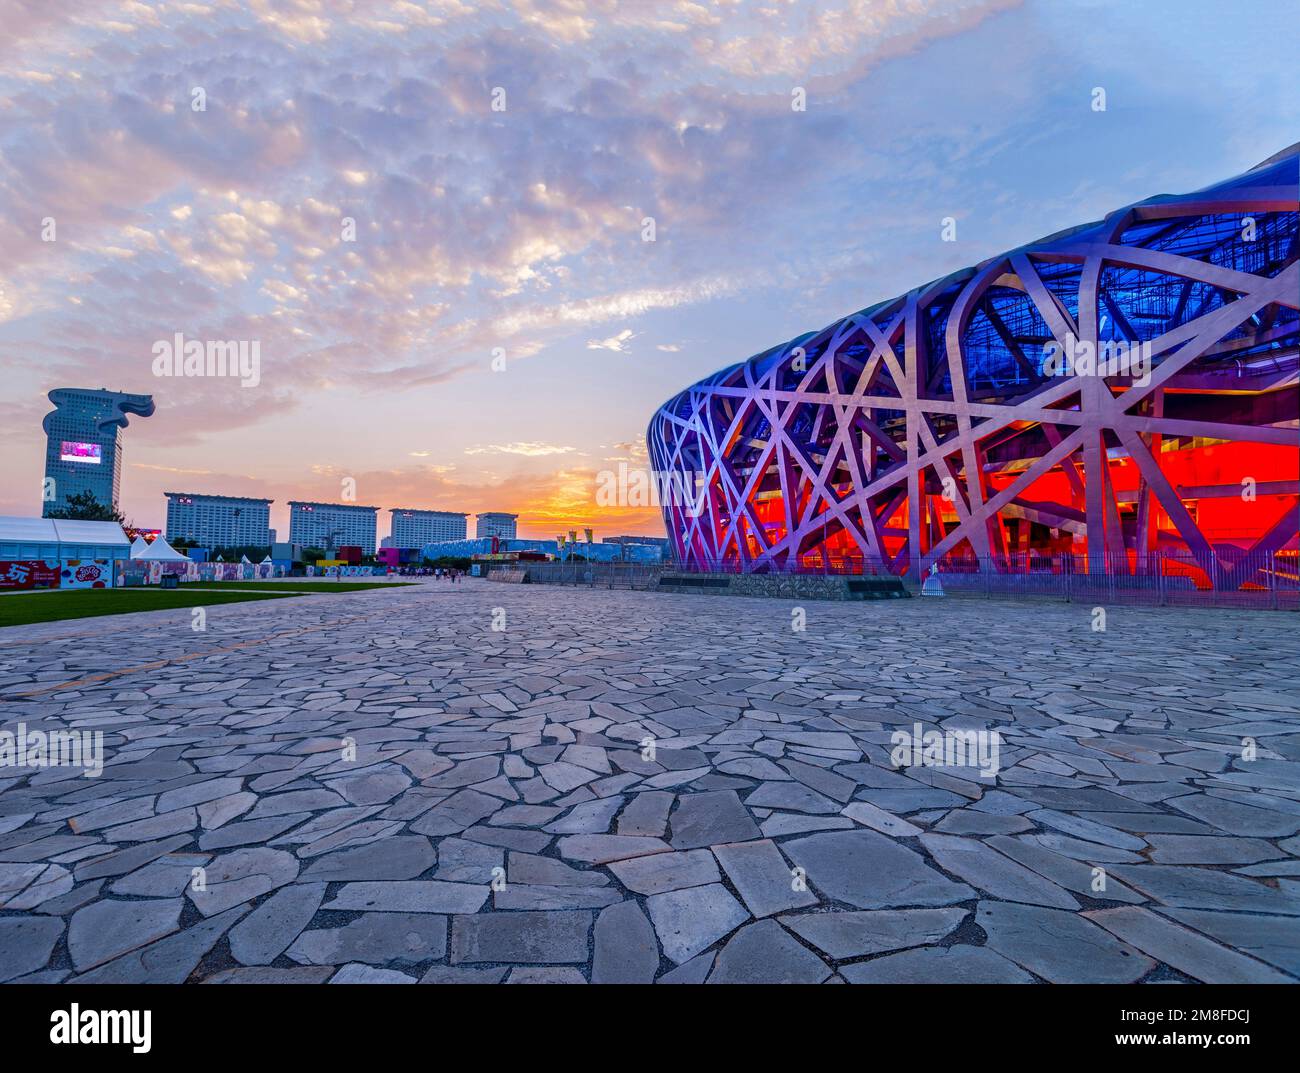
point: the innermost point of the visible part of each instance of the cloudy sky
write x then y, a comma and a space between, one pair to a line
520, 228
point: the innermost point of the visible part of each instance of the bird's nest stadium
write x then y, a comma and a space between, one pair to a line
1117, 398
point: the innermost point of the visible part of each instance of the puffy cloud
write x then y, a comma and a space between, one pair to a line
362, 186
617, 343
528, 450
349, 198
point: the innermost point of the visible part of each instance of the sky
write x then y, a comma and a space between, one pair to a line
493, 331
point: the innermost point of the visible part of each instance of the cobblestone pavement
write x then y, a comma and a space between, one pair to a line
502, 819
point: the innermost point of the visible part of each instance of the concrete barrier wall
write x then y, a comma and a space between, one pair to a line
785, 586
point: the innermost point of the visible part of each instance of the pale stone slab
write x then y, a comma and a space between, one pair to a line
411, 896
690, 920
667, 871
1186, 951
856, 934
764, 878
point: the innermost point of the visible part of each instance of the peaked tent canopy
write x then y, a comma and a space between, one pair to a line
160, 552
139, 547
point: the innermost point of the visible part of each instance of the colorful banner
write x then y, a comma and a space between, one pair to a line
130, 572
143, 572
86, 574
29, 574
346, 571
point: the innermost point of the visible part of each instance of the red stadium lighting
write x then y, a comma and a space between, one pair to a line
1123, 395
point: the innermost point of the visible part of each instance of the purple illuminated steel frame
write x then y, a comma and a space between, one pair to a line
943, 426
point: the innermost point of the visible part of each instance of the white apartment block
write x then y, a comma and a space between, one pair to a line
416, 528
495, 524
218, 521
332, 525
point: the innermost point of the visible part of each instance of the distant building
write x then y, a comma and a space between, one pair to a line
391, 556
660, 542
416, 528
273, 536
641, 548
285, 554
496, 524
605, 553
83, 449
332, 525
219, 521
481, 546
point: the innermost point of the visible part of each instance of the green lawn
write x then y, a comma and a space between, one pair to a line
296, 586
21, 609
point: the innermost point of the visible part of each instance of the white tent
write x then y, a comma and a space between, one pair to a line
139, 547
244, 560
266, 560
61, 538
159, 552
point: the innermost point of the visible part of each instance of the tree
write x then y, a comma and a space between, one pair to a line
452, 562
84, 507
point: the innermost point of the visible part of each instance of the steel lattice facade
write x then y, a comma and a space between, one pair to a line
939, 426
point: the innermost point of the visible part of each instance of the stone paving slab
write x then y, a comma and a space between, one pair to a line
637, 787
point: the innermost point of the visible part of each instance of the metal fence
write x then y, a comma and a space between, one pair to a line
1264, 580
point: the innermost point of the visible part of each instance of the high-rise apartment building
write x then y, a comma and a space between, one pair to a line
218, 521
416, 528
332, 525
496, 524
83, 450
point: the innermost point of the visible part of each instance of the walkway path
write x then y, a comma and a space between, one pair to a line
634, 786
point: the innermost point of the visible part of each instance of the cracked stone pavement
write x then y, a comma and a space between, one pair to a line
379, 787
